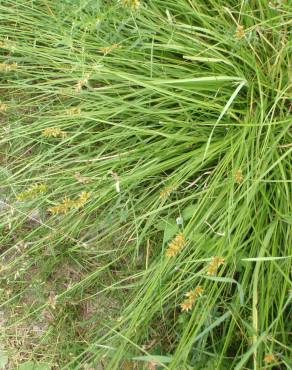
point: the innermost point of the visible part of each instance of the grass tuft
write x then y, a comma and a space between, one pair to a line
134, 131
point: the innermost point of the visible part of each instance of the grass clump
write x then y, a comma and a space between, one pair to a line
161, 131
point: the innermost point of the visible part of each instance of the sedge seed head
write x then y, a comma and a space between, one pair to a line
5, 67
7, 44
61, 208
68, 204
82, 199
31, 192
108, 49
3, 107
239, 33
73, 111
53, 132
214, 264
195, 292
176, 245
165, 192
269, 357
134, 4
238, 177
186, 305
191, 297
81, 83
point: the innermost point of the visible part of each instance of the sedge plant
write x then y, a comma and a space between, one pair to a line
145, 184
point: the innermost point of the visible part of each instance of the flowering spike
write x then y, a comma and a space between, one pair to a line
214, 265
73, 111
238, 177
165, 192
107, 49
135, 4
192, 295
239, 33
3, 107
31, 191
269, 357
176, 245
53, 132
68, 204
4, 67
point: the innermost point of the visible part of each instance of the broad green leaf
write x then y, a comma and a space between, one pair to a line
188, 212
171, 228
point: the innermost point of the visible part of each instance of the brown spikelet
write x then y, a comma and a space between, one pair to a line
238, 177
135, 4
3, 107
269, 357
239, 33
191, 296
53, 132
73, 111
5, 67
31, 192
82, 199
68, 204
107, 49
214, 265
81, 83
176, 245
165, 192
61, 208
7, 44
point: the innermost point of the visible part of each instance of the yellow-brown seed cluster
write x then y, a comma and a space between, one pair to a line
81, 83
165, 192
68, 204
239, 33
135, 4
215, 263
176, 245
238, 177
32, 191
269, 357
53, 132
108, 49
7, 44
82, 199
3, 107
4, 67
191, 296
73, 111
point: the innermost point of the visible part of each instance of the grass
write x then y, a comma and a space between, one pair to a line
127, 132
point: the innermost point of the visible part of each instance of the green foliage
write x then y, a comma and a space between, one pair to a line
30, 365
172, 117
3, 359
